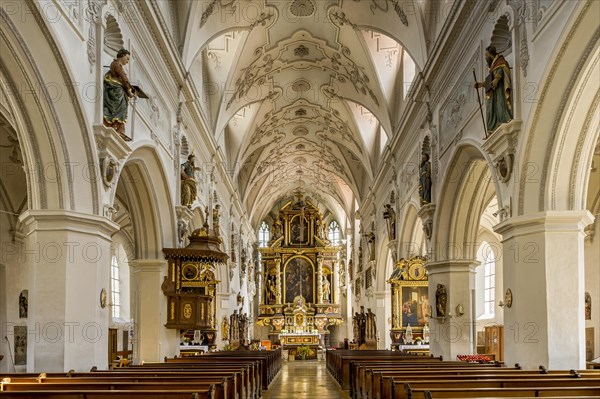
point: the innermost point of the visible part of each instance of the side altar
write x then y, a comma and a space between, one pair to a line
299, 282
410, 302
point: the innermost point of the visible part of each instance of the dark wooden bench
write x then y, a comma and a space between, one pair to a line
392, 383
224, 387
362, 372
416, 389
138, 394
338, 362
235, 376
435, 393
245, 378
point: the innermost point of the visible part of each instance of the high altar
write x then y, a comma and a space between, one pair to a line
299, 296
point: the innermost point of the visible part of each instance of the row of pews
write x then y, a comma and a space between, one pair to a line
219, 375
393, 375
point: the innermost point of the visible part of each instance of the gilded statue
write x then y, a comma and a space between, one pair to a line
215, 216
277, 228
225, 329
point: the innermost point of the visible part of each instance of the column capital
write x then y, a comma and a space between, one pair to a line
148, 265
548, 221
449, 266
382, 294
65, 220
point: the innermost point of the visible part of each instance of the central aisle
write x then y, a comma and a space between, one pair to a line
303, 379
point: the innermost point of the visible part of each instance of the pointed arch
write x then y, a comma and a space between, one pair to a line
466, 190
559, 144
145, 190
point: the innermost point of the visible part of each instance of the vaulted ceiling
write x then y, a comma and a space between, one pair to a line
303, 93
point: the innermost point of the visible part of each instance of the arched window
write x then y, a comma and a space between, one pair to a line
486, 282
334, 233
115, 288
264, 234
489, 276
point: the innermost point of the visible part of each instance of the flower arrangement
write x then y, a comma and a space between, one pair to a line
419, 340
303, 351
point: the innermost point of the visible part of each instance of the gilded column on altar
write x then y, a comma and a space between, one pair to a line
320, 279
279, 287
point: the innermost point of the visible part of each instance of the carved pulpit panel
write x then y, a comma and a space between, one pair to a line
190, 285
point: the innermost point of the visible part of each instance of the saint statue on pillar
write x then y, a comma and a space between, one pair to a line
188, 181
498, 90
117, 92
425, 180
440, 300
390, 215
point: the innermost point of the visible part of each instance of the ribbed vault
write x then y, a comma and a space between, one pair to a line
303, 94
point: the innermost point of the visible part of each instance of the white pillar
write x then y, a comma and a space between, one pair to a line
152, 341
383, 310
544, 268
68, 255
453, 335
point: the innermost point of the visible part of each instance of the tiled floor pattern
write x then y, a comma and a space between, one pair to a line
303, 379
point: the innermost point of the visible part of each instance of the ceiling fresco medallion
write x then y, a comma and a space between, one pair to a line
301, 51
300, 131
301, 85
302, 8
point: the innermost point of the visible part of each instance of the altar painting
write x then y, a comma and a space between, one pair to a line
299, 279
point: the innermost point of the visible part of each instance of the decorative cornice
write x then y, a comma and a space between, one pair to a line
62, 220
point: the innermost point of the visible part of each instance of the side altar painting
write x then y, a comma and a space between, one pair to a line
298, 293
411, 307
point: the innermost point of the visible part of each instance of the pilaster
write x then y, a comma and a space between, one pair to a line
68, 255
452, 334
151, 341
544, 269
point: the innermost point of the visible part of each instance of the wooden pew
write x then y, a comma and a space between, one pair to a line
217, 390
435, 393
250, 371
338, 362
392, 383
237, 377
139, 394
416, 389
271, 361
245, 382
362, 372
224, 387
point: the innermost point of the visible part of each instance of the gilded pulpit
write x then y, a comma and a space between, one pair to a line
410, 301
298, 267
191, 283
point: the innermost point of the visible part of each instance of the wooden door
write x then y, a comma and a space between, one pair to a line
494, 341
112, 345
